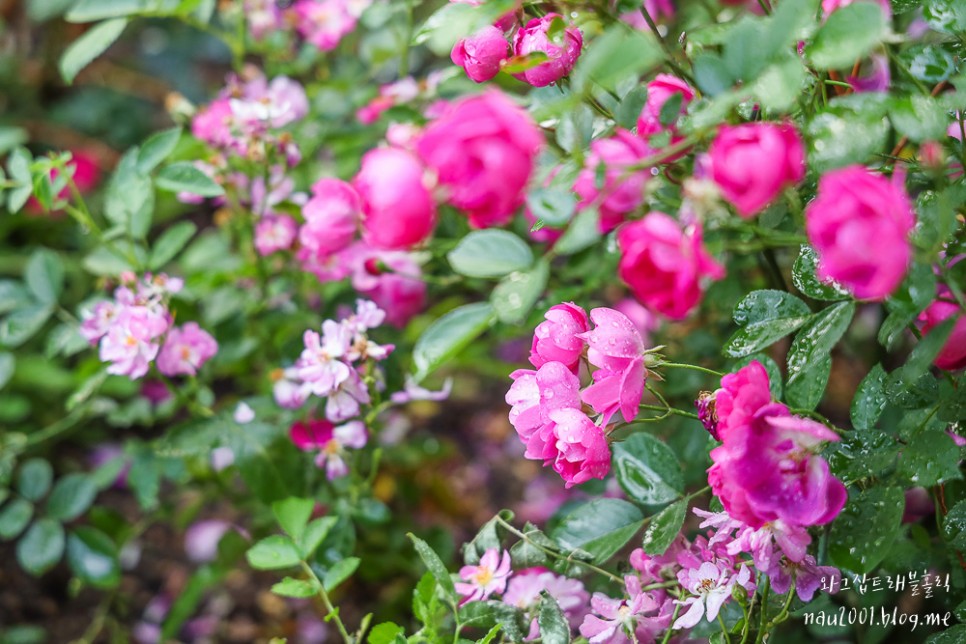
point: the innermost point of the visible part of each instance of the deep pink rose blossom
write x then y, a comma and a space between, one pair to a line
859, 223
952, 356
399, 212
623, 189
482, 150
752, 163
480, 55
582, 451
562, 50
331, 217
659, 90
665, 264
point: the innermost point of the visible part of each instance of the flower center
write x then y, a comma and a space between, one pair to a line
483, 576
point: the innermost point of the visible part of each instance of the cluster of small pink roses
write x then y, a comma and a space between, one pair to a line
321, 23
547, 405
136, 328
333, 364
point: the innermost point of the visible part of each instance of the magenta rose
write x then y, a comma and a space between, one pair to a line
556, 338
623, 189
480, 55
331, 217
859, 224
659, 90
562, 49
754, 162
482, 150
952, 356
398, 209
665, 264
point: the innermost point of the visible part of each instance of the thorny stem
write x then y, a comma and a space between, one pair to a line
333, 611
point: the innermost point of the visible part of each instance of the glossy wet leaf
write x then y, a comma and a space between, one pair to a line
647, 469
839, 135
600, 528
918, 117
93, 557
954, 526
929, 458
862, 534
664, 528
870, 399
515, 295
449, 335
809, 356
490, 253
849, 33
765, 317
435, 565
929, 63
272, 553
554, 628
805, 278
948, 16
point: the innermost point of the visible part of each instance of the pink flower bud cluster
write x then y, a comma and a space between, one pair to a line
483, 54
548, 406
333, 364
136, 328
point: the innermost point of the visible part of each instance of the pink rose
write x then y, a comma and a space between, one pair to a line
274, 233
854, 208
562, 49
754, 162
952, 356
399, 211
664, 264
623, 189
828, 6
482, 150
582, 451
616, 347
659, 90
185, 349
480, 55
331, 217
391, 279
556, 339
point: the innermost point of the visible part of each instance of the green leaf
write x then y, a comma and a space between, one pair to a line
583, 231
863, 533
953, 635
44, 275
91, 10
183, 176
665, 527
297, 588
554, 628
954, 526
18, 165
617, 54
765, 317
516, 294
273, 553
929, 63
846, 133
13, 296
170, 243
454, 20
647, 469
34, 479
385, 633
8, 364
92, 44
449, 335
630, 108
918, 117
742, 50
157, 148
929, 458
781, 84
921, 357
848, 34
435, 565
14, 517
870, 399
600, 528
486, 538
553, 206
93, 557
21, 325
948, 16
293, 515
490, 253
71, 496
805, 278
809, 356
315, 533
340, 572
129, 202
711, 74
41, 547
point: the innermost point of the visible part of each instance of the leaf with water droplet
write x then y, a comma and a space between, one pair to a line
664, 527
809, 358
647, 469
765, 317
954, 526
870, 399
864, 532
929, 458
805, 278
518, 292
600, 527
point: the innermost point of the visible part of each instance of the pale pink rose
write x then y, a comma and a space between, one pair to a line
486, 578
480, 55
483, 150
562, 49
665, 264
556, 339
659, 90
752, 163
854, 208
185, 350
398, 210
623, 189
274, 233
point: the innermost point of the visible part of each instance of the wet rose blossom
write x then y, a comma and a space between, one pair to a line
623, 188
556, 338
398, 209
562, 49
852, 207
659, 91
480, 55
616, 347
952, 355
581, 446
665, 264
752, 163
185, 350
483, 151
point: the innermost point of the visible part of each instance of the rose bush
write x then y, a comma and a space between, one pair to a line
702, 259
